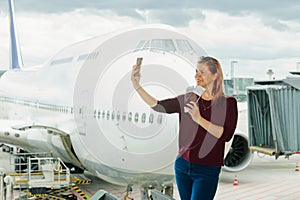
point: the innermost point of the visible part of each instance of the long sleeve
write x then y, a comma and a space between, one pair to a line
231, 119
170, 105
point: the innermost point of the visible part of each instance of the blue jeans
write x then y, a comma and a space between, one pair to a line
196, 182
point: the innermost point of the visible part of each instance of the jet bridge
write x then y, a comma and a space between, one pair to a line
274, 117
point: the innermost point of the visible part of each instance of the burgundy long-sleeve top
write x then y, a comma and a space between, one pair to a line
196, 145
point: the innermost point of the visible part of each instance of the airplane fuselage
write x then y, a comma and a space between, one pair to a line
84, 93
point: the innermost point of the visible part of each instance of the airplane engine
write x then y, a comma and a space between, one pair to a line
239, 156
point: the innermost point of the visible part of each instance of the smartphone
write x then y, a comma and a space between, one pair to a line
193, 93
190, 97
139, 61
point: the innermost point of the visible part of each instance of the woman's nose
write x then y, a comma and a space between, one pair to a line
197, 75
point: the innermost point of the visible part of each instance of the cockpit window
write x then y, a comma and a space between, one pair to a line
146, 45
141, 44
163, 44
183, 45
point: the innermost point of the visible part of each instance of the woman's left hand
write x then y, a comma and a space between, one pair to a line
193, 110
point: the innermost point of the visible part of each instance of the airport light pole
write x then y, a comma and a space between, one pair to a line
270, 73
232, 74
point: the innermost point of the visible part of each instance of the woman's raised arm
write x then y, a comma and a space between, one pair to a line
135, 79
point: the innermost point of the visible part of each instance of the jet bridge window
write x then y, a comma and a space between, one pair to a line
163, 44
99, 114
183, 45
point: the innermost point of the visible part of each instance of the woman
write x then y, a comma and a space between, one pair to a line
203, 130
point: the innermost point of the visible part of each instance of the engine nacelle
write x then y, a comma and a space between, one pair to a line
239, 155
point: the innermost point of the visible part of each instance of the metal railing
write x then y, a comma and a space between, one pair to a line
36, 173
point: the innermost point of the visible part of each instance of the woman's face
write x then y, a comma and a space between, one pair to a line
203, 76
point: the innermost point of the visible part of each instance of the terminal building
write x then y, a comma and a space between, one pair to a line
237, 87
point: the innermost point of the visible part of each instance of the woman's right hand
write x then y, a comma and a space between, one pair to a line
136, 76
135, 79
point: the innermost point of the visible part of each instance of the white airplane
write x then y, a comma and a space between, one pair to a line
80, 104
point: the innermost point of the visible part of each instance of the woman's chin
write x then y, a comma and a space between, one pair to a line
200, 83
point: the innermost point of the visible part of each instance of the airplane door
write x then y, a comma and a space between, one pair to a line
84, 111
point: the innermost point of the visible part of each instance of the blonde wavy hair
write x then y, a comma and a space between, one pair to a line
215, 68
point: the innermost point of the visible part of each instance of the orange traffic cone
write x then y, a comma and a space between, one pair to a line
297, 167
235, 181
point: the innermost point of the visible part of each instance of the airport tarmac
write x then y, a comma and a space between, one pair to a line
264, 179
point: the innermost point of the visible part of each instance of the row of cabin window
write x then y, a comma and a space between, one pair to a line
107, 115
87, 56
130, 116
37, 105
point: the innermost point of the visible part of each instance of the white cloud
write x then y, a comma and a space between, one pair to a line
42, 35
245, 38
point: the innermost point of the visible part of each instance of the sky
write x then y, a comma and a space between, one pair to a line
258, 34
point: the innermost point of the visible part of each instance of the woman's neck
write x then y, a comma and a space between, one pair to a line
207, 95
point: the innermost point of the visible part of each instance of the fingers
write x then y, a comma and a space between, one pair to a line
136, 69
192, 108
136, 66
191, 105
135, 75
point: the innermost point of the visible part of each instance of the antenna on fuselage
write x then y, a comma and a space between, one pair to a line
16, 61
